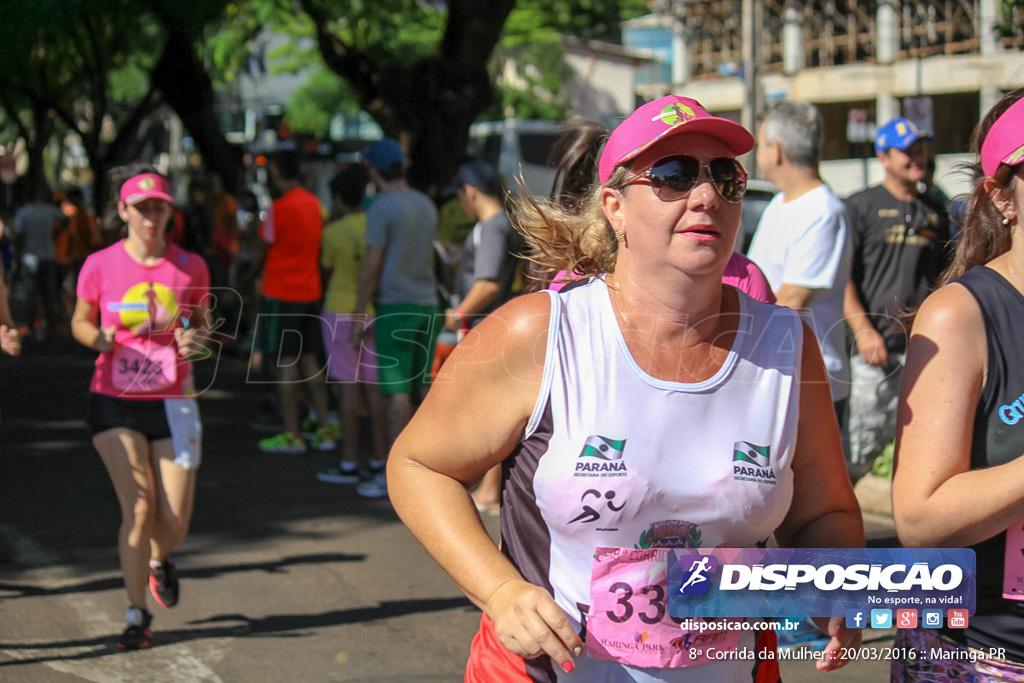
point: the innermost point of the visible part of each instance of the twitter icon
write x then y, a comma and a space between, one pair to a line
881, 618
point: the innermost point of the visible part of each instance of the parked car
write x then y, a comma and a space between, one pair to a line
517, 148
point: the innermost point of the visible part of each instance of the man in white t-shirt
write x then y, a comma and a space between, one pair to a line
801, 245
801, 240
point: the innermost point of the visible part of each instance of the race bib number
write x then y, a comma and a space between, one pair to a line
143, 366
1013, 562
628, 618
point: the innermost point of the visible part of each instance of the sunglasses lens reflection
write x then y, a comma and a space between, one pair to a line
672, 178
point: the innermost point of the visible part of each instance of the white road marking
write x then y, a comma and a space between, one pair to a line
177, 663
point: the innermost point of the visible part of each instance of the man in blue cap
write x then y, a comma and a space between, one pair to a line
397, 275
898, 240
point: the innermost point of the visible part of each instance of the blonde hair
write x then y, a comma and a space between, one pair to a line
578, 239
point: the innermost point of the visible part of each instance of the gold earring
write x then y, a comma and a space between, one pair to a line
620, 236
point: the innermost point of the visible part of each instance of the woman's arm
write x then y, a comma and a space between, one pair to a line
937, 499
472, 418
85, 330
10, 340
824, 512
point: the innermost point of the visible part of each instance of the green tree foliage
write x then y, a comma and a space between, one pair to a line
424, 70
75, 65
1011, 12
532, 45
314, 104
418, 68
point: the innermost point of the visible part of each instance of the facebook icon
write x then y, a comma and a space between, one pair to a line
856, 618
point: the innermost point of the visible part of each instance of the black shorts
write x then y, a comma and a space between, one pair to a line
289, 329
148, 417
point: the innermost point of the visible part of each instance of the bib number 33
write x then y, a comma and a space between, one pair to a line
628, 617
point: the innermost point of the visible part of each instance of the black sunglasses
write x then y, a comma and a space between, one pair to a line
672, 178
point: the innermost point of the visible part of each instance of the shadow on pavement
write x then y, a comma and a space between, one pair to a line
115, 582
287, 625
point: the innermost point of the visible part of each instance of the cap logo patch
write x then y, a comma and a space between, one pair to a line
675, 114
1016, 157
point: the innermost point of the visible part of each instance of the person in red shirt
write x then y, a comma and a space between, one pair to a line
288, 328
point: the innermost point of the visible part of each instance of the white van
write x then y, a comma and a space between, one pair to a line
518, 148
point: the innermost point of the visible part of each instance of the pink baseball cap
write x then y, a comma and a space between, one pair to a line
1004, 143
661, 118
145, 186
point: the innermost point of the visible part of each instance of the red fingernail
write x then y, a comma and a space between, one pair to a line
568, 666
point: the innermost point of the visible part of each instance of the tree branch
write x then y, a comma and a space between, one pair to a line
344, 60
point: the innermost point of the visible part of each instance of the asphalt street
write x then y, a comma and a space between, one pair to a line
284, 578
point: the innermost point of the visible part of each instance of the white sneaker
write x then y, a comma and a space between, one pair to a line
347, 473
373, 488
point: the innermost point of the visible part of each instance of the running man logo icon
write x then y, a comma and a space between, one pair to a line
697, 580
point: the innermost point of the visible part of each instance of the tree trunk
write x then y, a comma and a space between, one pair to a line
431, 105
35, 176
186, 87
428, 105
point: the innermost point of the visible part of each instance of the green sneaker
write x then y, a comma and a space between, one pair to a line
285, 442
323, 440
309, 427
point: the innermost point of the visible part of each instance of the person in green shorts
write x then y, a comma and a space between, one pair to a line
397, 275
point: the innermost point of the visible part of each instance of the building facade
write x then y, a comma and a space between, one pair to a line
941, 64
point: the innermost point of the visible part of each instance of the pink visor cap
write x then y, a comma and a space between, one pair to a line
1004, 143
145, 186
661, 118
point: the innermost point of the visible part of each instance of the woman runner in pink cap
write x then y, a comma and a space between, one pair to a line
617, 409
959, 479
141, 304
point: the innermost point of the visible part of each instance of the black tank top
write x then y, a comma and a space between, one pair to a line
998, 438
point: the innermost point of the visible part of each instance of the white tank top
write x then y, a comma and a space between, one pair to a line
615, 457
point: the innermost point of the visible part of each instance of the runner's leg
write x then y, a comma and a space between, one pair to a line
175, 496
126, 455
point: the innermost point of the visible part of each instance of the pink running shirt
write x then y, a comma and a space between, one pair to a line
145, 304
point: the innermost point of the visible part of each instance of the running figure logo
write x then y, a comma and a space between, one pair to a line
696, 580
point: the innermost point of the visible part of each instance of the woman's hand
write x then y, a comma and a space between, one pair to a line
356, 332
187, 343
10, 340
105, 340
529, 623
872, 349
842, 640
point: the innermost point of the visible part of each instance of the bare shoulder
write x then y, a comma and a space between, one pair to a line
947, 339
522, 322
510, 343
951, 311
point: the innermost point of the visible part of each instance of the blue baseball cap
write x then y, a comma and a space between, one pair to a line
899, 133
384, 154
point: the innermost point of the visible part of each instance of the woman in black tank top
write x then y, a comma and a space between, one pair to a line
959, 478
